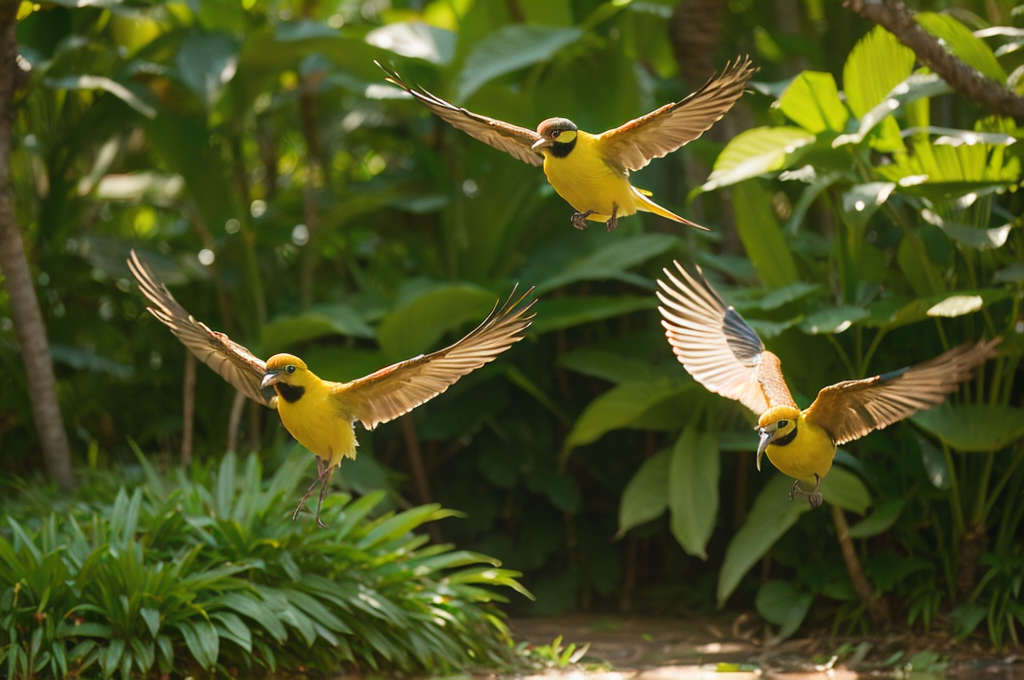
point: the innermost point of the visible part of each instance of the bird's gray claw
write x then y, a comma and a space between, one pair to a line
815, 499
579, 219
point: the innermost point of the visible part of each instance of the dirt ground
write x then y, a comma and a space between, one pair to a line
647, 648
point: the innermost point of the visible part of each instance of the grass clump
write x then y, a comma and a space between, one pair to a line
190, 578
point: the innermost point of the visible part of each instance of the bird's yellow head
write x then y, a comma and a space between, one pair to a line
776, 426
289, 377
557, 136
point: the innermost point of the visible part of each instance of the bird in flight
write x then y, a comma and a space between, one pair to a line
321, 414
724, 354
591, 172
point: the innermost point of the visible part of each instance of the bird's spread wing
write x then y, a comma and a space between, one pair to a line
509, 138
399, 388
632, 145
717, 346
233, 362
850, 409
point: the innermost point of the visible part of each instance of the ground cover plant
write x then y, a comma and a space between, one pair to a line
186, 576
864, 217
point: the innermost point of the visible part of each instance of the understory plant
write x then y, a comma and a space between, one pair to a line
189, 578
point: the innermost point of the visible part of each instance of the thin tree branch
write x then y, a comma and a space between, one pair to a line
893, 16
878, 608
188, 409
28, 318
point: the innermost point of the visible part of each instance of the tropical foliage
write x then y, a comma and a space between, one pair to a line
863, 218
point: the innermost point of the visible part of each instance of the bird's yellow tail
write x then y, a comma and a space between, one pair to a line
647, 205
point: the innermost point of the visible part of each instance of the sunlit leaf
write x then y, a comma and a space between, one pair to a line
914, 88
207, 62
959, 39
618, 408
316, 322
91, 82
416, 327
693, 490
509, 49
612, 260
812, 102
753, 153
832, 320
415, 39
762, 238
875, 65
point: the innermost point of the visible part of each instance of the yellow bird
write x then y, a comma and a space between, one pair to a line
724, 354
591, 172
321, 414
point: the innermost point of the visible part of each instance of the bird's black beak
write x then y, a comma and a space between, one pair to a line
541, 143
270, 378
766, 439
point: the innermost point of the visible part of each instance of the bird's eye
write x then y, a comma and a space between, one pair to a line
554, 135
290, 369
783, 423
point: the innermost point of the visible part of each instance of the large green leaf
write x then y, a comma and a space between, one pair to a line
415, 39
619, 407
612, 260
879, 521
565, 312
762, 237
91, 82
832, 320
784, 604
416, 327
914, 88
843, 488
812, 102
316, 322
944, 305
206, 63
977, 428
771, 516
646, 495
202, 640
755, 152
509, 49
693, 490
959, 39
876, 65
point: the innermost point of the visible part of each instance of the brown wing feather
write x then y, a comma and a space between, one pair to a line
399, 388
233, 362
850, 409
719, 349
509, 138
632, 145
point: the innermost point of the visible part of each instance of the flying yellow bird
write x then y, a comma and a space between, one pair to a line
591, 172
321, 414
724, 354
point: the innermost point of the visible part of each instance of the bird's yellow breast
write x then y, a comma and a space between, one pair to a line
315, 421
809, 453
587, 182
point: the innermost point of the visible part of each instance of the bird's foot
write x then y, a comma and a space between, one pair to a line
579, 219
614, 220
795, 489
815, 498
320, 523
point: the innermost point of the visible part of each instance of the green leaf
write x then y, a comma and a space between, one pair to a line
876, 65
646, 495
416, 40
771, 516
207, 62
943, 305
959, 39
416, 327
833, 320
236, 629
762, 238
565, 312
509, 49
152, 619
860, 202
316, 322
610, 366
973, 428
89, 82
784, 604
843, 488
202, 641
812, 102
879, 521
612, 260
753, 153
914, 88
973, 237
618, 408
693, 490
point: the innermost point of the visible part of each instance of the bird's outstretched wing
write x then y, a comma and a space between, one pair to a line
716, 345
632, 145
399, 388
233, 362
850, 409
509, 138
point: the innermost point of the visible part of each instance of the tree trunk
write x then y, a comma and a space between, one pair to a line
28, 319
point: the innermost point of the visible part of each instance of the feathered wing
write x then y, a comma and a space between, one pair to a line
850, 409
399, 388
509, 138
718, 348
233, 362
633, 145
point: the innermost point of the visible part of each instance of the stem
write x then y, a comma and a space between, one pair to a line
235, 420
1003, 479
419, 470
986, 475
29, 325
188, 409
954, 494
876, 607
842, 354
871, 351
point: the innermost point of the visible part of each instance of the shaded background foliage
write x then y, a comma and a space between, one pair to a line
291, 199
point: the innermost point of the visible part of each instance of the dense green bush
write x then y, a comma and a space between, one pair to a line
181, 576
